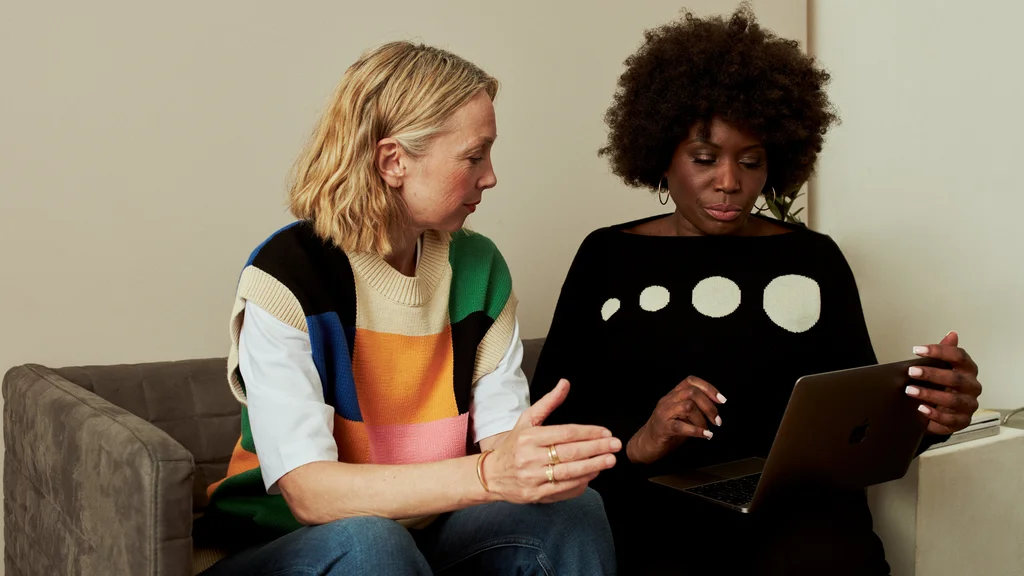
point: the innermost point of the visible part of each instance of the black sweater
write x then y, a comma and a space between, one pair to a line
750, 315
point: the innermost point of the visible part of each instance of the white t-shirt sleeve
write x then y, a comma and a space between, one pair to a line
500, 397
291, 423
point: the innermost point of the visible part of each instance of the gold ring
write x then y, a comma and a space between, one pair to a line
550, 471
553, 455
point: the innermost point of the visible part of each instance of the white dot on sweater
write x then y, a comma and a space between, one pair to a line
793, 302
716, 297
654, 298
610, 307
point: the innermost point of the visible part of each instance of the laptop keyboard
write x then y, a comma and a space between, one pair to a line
738, 491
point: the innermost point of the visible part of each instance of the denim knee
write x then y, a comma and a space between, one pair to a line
585, 510
377, 545
362, 545
579, 528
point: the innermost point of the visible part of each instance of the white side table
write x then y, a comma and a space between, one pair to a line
958, 511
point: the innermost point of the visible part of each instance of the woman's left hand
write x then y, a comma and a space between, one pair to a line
950, 408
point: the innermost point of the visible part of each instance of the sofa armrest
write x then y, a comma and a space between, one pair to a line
90, 488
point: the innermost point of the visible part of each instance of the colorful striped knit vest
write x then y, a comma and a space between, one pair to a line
397, 356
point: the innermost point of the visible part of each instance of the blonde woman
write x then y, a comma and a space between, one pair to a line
375, 344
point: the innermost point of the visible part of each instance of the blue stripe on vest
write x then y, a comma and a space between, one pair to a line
333, 359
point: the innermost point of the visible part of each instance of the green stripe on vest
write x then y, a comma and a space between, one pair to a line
244, 494
480, 277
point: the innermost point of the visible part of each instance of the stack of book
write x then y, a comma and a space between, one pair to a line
984, 423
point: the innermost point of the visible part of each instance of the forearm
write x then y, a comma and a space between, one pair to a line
321, 492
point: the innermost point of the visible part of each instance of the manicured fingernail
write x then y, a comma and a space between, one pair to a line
920, 350
924, 409
915, 371
616, 443
708, 434
721, 398
718, 420
913, 391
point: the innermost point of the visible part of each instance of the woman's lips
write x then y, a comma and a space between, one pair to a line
724, 212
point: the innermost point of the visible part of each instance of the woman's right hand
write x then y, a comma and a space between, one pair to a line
518, 470
682, 413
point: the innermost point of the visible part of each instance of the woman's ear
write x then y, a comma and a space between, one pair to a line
388, 160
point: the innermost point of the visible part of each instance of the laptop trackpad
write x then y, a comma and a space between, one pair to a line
691, 478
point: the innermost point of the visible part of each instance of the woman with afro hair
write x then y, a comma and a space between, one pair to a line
683, 333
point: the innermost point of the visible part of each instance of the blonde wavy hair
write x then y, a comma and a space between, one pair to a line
399, 90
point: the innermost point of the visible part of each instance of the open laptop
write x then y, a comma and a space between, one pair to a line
847, 429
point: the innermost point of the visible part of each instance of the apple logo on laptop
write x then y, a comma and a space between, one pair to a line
859, 432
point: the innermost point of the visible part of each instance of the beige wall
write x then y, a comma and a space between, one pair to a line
920, 185
145, 151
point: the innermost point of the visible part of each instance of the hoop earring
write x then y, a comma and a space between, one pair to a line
665, 201
774, 198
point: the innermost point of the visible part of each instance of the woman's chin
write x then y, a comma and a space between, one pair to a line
453, 225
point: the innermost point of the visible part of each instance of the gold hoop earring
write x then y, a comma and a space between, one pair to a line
667, 194
774, 198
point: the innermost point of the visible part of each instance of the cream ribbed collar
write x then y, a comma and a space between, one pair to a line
392, 284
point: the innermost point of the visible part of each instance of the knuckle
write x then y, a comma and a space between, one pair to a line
951, 420
958, 378
959, 401
687, 405
961, 356
567, 453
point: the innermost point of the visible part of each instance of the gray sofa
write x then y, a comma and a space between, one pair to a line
106, 467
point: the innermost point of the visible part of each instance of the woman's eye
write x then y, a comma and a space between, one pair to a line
476, 159
704, 160
752, 163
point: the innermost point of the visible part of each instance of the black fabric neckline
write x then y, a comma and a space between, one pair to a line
622, 230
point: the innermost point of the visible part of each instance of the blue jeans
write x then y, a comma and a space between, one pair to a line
565, 538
